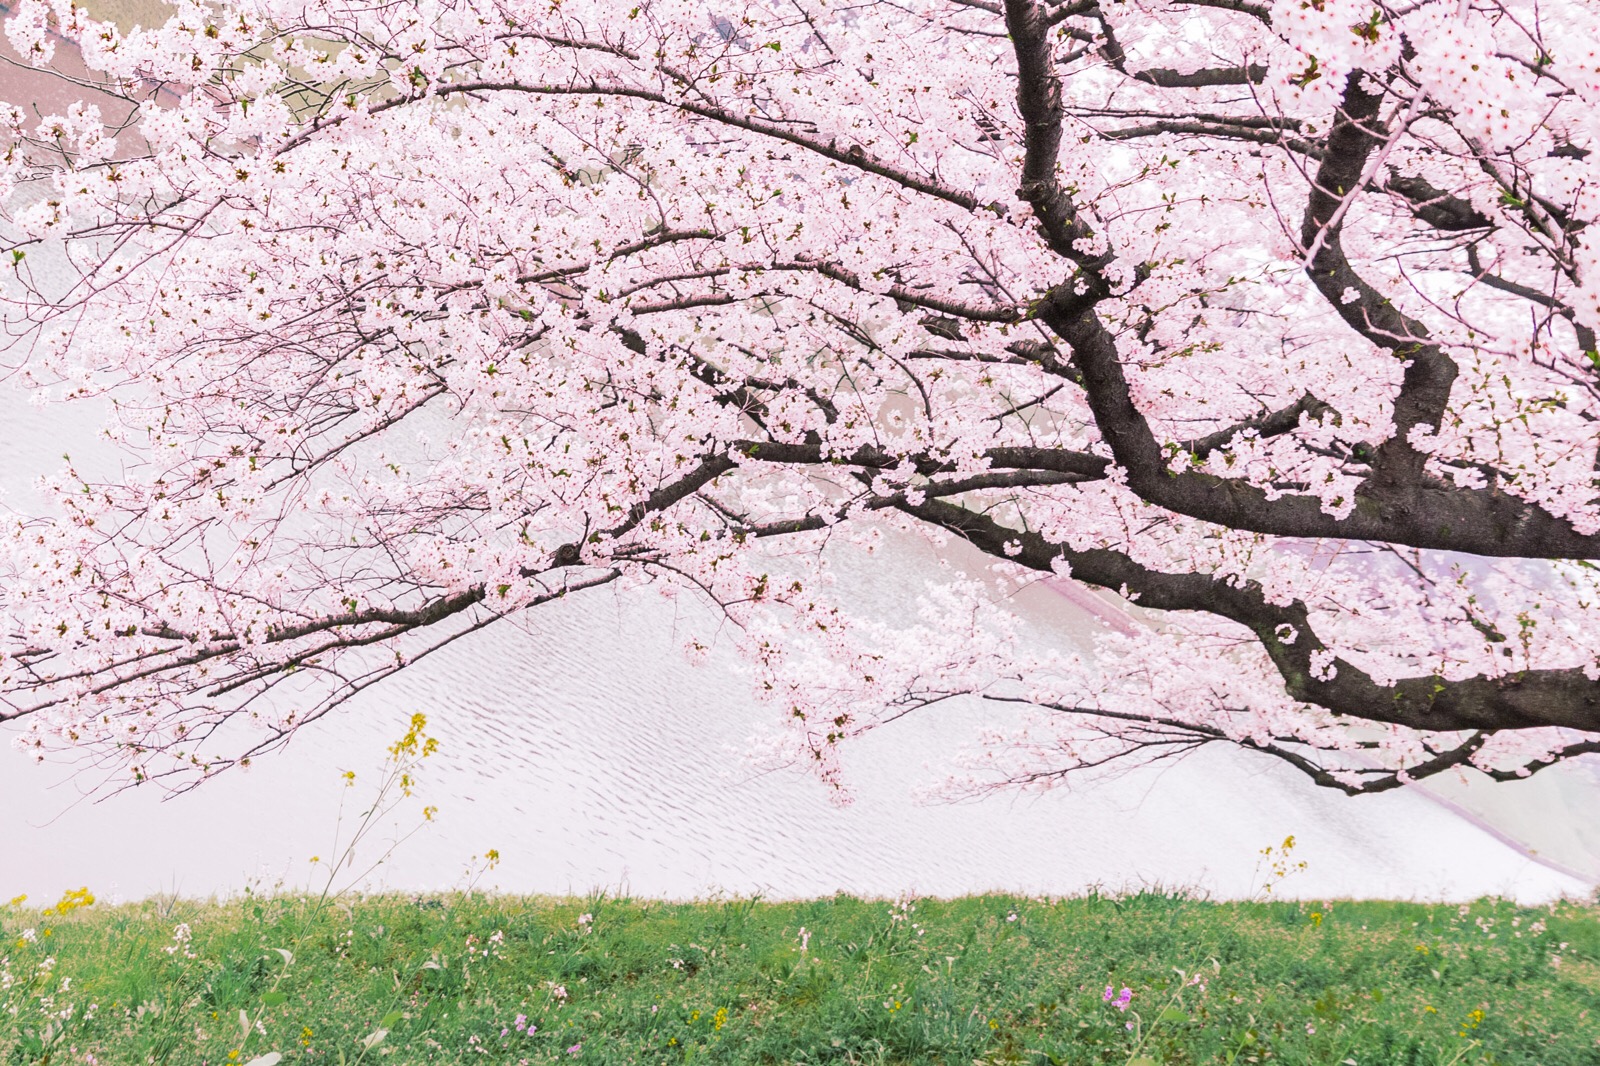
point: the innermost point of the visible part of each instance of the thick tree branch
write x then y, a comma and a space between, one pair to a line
1227, 131
1436, 207
1429, 372
1039, 100
1398, 504
1311, 672
1251, 74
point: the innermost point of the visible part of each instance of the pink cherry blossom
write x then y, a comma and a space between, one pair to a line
1266, 329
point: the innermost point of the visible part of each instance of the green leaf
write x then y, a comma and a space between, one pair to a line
390, 1019
1172, 1015
274, 999
1143, 1060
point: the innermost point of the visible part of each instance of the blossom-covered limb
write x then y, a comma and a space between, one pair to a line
1311, 672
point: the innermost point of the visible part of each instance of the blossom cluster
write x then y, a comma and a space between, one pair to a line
416, 317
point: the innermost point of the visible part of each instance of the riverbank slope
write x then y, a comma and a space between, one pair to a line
1138, 979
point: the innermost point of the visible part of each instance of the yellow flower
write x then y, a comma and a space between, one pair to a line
1316, 918
74, 898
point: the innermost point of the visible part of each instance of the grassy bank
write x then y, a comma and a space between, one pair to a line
993, 979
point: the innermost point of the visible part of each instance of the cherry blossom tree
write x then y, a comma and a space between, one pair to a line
1275, 320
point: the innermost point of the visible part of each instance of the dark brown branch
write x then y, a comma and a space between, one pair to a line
1396, 505
1039, 100
1080, 465
1436, 207
1585, 335
1287, 749
1240, 132
1422, 513
1524, 700
1253, 74
1244, 7
1429, 372
1271, 424
1058, 14
955, 308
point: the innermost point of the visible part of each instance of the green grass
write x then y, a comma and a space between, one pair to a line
991, 979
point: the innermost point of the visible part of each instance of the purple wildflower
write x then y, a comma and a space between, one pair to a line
574, 1049
1108, 995
1125, 999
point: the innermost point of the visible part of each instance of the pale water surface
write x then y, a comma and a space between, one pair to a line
591, 755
